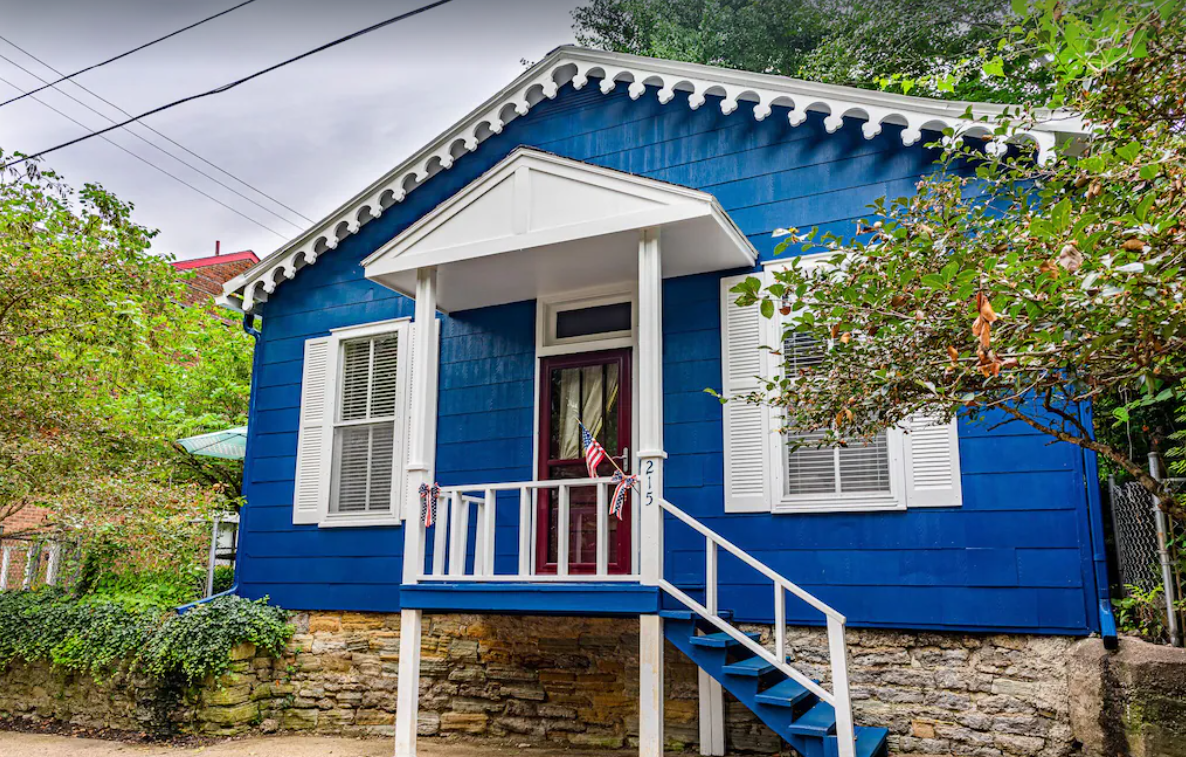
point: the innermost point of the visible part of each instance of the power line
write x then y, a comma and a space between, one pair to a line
163, 136
126, 54
150, 143
148, 162
231, 85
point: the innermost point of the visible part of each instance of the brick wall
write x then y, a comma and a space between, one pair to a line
206, 282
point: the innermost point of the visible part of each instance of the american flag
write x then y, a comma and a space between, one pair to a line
594, 452
428, 499
619, 499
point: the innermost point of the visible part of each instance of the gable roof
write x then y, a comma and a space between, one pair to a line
532, 204
577, 66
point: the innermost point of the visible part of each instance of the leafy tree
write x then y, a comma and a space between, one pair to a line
1009, 289
101, 368
931, 46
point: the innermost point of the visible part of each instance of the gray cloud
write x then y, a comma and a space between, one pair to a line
311, 134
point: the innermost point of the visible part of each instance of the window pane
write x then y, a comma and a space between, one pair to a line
364, 459
356, 379
353, 455
386, 349
602, 319
586, 394
801, 351
810, 470
865, 468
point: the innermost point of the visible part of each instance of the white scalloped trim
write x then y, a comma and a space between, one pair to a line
577, 66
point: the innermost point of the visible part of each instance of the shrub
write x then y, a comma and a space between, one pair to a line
97, 635
224, 578
198, 643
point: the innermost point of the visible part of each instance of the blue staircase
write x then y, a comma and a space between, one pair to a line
787, 707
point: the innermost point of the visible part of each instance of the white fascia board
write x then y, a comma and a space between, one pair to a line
576, 66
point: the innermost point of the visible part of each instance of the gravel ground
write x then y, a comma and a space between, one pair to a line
13, 744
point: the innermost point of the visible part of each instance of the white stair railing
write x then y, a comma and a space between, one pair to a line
839, 696
450, 535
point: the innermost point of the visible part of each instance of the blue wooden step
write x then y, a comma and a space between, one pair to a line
720, 640
786, 694
753, 667
691, 615
819, 721
871, 742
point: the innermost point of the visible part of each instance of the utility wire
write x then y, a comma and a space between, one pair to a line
148, 162
152, 144
165, 137
231, 85
126, 54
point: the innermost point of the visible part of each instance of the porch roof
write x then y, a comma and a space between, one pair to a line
537, 224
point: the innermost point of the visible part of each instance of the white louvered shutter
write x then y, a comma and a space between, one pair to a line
747, 427
932, 458
311, 491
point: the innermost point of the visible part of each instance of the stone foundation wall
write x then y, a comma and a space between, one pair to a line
574, 681
1131, 701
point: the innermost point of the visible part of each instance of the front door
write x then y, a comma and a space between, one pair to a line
592, 388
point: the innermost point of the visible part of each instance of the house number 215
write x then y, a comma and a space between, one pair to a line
650, 492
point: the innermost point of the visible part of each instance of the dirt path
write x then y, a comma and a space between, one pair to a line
13, 744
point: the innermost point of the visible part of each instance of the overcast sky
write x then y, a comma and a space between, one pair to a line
311, 134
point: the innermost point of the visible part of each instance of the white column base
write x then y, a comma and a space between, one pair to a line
407, 712
712, 717
650, 690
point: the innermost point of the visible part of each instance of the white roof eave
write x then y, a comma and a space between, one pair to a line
577, 66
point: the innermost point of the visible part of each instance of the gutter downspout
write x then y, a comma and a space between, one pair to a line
254, 333
1107, 619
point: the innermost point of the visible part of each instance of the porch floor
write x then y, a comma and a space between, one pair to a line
576, 598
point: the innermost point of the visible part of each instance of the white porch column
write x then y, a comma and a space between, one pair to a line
421, 459
650, 405
650, 466
650, 690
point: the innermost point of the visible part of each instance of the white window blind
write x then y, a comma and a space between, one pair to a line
364, 432
811, 471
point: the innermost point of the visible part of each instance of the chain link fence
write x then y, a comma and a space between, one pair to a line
30, 563
1137, 543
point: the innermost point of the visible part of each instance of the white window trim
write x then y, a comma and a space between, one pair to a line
895, 499
546, 343
393, 517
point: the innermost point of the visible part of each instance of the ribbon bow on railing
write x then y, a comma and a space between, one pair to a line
618, 501
428, 503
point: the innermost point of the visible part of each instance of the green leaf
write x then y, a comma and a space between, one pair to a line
1142, 211
994, 67
768, 308
1130, 151
1060, 216
934, 281
1150, 171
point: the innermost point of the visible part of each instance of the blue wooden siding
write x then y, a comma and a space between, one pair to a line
1017, 556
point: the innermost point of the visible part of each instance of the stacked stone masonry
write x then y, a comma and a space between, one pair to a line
574, 681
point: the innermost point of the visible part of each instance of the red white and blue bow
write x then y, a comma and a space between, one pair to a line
428, 503
618, 502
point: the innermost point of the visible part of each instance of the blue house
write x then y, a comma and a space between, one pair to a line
559, 260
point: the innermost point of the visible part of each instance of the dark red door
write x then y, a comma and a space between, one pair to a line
592, 388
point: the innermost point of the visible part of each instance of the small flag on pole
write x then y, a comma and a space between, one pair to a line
618, 502
594, 452
428, 501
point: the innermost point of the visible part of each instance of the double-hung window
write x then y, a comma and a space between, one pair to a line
772, 468
352, 444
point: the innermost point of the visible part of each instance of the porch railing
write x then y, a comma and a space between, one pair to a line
459, 508
839, 696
